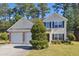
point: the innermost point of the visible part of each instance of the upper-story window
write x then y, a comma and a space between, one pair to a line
47, 24
61, 24
54, 24
58, 24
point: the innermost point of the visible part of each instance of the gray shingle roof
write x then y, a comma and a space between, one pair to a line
22, 24
56, 16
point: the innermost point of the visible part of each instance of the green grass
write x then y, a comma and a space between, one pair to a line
58, 50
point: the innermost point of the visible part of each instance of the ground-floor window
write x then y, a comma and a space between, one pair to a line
58, 36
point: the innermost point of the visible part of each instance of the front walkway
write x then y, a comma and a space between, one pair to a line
14, 49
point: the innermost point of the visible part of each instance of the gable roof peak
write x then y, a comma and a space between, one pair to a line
21, 23
56, 16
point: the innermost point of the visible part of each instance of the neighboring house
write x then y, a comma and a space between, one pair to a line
55, 25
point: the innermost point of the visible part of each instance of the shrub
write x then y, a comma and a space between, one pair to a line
4, 36
39, 44
40, 41
39, 37
71, 36
66, 42
61, 42
56, 41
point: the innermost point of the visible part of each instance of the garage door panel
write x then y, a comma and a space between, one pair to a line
27, 37
16, 37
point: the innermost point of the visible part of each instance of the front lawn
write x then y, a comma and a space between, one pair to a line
58, 50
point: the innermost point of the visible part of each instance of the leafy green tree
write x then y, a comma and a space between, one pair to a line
17, 17
39, 38
38, 27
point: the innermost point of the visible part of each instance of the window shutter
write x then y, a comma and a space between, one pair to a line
63, 24
52, 24
63, 36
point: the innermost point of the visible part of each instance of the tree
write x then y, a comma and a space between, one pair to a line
32, 10
69, 14
57, 7
76, 20
67, 11
3, 10
43, 9
10, 13
39, 38
38, 27
17, 17
4, 25
28, 10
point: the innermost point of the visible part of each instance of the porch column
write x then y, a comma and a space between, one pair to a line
50, 38
65, 34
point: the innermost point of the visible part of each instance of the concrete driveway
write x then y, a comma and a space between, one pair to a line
14, 49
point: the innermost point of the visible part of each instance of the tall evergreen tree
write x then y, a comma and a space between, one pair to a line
28, 10
43, 9
67, 11
3, 10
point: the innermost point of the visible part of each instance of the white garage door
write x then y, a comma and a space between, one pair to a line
27, 37
16, 37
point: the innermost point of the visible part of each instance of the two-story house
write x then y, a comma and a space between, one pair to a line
55, 25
